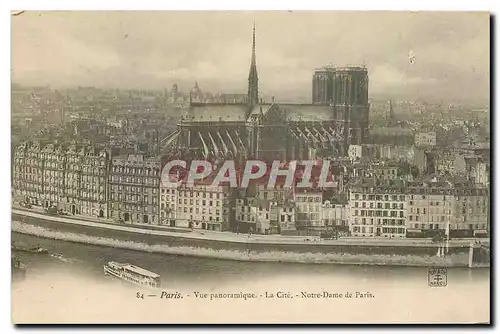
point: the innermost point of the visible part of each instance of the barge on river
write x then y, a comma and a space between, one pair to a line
132, 274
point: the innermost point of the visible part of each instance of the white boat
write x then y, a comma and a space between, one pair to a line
132, 274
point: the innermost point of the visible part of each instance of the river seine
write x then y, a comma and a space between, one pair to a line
68, 286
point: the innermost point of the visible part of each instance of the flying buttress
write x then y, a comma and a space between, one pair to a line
232, 143
315, 140
216, 148
205, 148
239, 140
224, 146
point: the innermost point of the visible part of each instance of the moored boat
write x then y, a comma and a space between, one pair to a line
28, 249
132, 274
18, 269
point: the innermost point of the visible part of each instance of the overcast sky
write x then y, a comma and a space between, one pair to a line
157, 49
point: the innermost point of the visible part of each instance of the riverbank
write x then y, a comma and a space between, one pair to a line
238, 238
228, 254
242, 248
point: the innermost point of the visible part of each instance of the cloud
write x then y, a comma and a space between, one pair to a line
156, 49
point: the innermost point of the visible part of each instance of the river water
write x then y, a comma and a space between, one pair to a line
68, 286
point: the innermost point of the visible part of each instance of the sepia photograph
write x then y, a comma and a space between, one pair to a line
250, 167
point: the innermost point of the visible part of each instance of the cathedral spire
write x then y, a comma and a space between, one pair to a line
253, 45
253, 79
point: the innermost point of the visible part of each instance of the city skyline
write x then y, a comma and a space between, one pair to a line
153, 50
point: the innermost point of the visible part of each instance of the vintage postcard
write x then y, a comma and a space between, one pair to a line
251, 167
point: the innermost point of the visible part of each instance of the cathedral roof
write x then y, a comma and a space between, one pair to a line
217, 112
307, 112
260, 107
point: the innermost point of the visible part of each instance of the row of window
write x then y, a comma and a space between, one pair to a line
134, 198
378, 213
197, 210
259, 208
28, 160
138, 171
452, 226
203, 218
130, 217
93, 187
32, 170
265, 194
55, 173
373, 205
92, 196
169, 214
379, 197
331, 222
309, 199
30, 178
378, 221
164, 198
252, 218
385, 230
131, 179
131, 189
131, 207
201, 194
203, 202
308, 208
431, 203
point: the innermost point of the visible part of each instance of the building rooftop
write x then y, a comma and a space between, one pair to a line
307, 112
217, 112
264, 108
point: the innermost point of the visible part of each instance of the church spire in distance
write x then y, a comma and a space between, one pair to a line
253, 79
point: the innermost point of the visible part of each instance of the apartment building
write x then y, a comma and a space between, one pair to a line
254, 214
53, 166
471, 210
335, 215
430, 208
202, 206
94, 182
28, 173
378, 210
169, 195
72, 178
460, 209
134, 186
285, 215
308, 204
